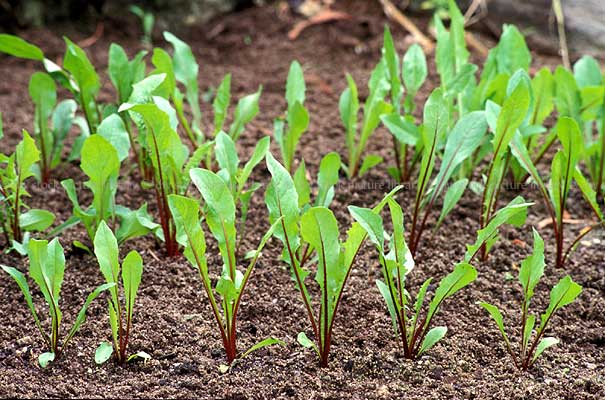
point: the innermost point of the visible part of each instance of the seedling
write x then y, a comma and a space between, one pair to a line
532, 342
305, 231
147, 22
375, 106
120, 314
220, 216
397, 261
564, 171
101, 163
401, 126
14, 171
466, 136
169, 157
47, 268
49, 139
288, 130
183, 68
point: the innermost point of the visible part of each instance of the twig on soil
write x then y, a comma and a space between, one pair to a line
558, 10
89, 41
324, 16
393, 12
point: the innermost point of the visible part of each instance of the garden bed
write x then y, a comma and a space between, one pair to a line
173, 321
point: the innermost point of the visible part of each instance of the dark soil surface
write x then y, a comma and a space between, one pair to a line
173, 321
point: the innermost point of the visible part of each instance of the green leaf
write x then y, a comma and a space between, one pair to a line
327, 178
386, 294
260, 151
587, 72
190, 235
106, 251
371, 222
298, 122
103, 352
451, 198
82, 314
461, 276
303, 188
368, 163
497, 317
113, 130
132, 270
543, 87
414, 68
245, 111
513, 213
26, 156
348, 105
532, 268
46, 358
403, 129
263, 343
221, 212
512, 53
295, 85
141, 355
304, 341
567, 95
17, 47
391, 60
22, 282
543, 345
36, 220
432, 337
226, 154
221, 102
562, 294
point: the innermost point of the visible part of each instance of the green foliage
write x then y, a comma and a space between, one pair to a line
120, 313
101, 164
47, 268
310, 235
562, 294
397, 261
564, 172
147, 21
220, 217
374, 107
14, 172
288, 130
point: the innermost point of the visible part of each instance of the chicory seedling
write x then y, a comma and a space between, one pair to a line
564, 171
101, 163
120, 314
374, 107
466, 136
414, 72
288, 131
14, 171
305, 231
397, 261
220, 216
47, 268
562, 294
49, 139
183, 68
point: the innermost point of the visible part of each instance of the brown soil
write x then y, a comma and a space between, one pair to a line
173, 322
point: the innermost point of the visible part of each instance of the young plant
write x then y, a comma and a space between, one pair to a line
397, 261
305, 231
183, 68
14, 171
504, 123
47, 268
169, 158
120, 314
237, 177
43, 92
288, 130
147, 22
401, 126
101, 163
220, 214
466, 136
375, 106
562, 294
77, 75
564, 171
